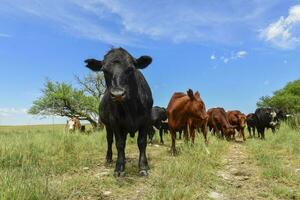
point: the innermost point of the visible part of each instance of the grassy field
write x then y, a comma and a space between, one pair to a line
44, 162
279, 162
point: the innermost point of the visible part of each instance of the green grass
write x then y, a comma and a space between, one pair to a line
278, 160
44, 162
31, 156
191, 174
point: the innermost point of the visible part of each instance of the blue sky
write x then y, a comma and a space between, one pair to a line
232, 52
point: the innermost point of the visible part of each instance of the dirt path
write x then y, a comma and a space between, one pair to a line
239, 177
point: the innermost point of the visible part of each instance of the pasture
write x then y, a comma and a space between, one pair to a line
44, 162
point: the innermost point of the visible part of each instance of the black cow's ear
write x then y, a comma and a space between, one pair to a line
143, 61
93, 64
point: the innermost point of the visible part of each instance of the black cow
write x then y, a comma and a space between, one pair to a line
251, 124
158, 115
281, 115
266, 118
126, 104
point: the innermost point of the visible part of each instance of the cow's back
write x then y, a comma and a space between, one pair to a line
219, 116
233, 117
176, 110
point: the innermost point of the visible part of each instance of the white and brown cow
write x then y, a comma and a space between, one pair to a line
73, 125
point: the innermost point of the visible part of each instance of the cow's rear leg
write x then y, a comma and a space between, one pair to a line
186, 134
142, 144
243, 134
204, 131
273, 130
120, 144
173, 146
161, 132
192, 133
109, 139
151, 134
180, 134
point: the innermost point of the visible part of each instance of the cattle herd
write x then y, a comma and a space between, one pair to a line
127, 107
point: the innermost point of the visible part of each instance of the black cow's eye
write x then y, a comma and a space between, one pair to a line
116, 62
129, 70
105, 72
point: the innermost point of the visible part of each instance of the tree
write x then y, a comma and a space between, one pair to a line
287, 98
61, 99
93, 84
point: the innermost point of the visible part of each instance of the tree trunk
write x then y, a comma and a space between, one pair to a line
96, 125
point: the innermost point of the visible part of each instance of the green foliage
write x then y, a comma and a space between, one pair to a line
63, 99
287, 98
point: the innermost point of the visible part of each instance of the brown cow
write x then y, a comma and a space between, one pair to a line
218, 122
237, 119
73, 124
186, 111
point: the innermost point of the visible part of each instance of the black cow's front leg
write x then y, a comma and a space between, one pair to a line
261, 132
109, 139
249, 130
142, 144
120, 144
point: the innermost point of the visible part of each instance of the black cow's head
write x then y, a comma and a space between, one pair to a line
119, 69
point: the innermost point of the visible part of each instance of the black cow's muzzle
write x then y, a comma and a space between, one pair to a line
117, 94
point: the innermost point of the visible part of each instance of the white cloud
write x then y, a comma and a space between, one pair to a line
283, 33
266, 82
79, 18
4, 35
213, 57
224, 59
12, 111
122, 22
234, 56
241, 54
19, 116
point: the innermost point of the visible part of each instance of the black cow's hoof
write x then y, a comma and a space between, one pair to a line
174, 153
143, 172
109, 161
119, 174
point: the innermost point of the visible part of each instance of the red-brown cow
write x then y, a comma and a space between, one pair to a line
237, 119
186, 111
218, 122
